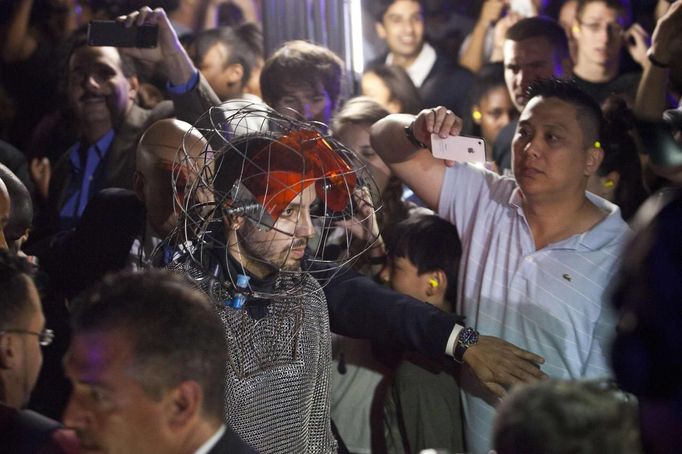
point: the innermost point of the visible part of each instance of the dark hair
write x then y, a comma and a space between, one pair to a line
299, 63
430, 243
622, 6
400, 86
238, 51
541, 27
174, 331
252, 35
588, 112
621, 155
379, 8
359, 110
15, 272
21, 206
564, 417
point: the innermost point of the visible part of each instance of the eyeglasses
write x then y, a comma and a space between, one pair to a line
45, 337
613, 28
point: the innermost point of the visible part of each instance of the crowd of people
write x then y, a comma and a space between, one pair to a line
222, 251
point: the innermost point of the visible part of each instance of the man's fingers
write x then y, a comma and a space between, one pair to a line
528, 356
496, 389
526, 372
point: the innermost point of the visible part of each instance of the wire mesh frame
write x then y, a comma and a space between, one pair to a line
229, 129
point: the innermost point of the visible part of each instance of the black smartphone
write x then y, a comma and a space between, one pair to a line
113, 33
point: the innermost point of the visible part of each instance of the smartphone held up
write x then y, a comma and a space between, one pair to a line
459, 149
115, 34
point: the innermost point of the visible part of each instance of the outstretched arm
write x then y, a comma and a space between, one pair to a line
359, 307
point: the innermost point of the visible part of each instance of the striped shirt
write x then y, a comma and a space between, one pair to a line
549, 301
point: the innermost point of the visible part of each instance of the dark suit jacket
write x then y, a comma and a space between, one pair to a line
447, 84
27, 432
231, 443
100, 244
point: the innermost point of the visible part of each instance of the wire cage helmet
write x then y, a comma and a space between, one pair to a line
259, 163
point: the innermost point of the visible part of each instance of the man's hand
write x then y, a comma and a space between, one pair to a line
363, 225
491, 11
498, 364
666, 41
637, 41
438, 120
175, 62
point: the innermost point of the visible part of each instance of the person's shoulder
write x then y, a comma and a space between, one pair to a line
377, 61
448, 66
231, 443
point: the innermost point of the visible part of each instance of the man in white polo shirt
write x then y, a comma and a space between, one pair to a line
538, 251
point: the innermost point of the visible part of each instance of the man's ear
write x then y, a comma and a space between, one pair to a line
183, 403
231, 221
595, 156
476, 114
138, 185
575, 29
134, 87
235, 73
7, 351
381, 31
436, 282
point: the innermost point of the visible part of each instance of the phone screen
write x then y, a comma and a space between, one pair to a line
115, 34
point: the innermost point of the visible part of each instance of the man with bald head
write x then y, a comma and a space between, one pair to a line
162, 144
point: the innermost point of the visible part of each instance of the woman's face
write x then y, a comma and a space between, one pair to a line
496, 111
356, 137
375, 88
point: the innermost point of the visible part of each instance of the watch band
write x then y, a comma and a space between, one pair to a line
409, 133
654, 61
467, 337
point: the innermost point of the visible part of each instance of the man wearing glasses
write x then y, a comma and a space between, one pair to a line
22, 334
600, 31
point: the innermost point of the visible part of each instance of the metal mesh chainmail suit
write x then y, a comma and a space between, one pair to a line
279, 342
278, 367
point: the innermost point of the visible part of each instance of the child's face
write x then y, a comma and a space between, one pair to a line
402, 276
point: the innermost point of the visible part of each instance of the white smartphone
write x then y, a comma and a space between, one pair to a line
459, 148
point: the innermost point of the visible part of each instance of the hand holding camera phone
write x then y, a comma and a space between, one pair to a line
459, 149
116, 34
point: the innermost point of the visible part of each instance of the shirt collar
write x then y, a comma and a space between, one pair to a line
100, 147
421, 66
104, 142
599, 236
211, 442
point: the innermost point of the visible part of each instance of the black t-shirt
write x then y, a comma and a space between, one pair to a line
624, 85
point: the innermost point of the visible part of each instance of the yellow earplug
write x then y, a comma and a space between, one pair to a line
575, 29
597, 144
433, 283
608, 184
476, 115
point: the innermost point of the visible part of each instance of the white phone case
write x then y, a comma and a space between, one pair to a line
459, 148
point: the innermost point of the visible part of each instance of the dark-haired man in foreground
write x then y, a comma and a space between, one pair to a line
147, 365
538, 250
